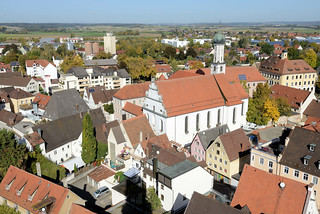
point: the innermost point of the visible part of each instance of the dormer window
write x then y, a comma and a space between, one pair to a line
312, 147
306, 159
318, 164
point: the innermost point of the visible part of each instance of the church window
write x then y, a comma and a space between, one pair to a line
186, 125
161, 125
219, 119
208, 119
197, 122
242, 108
234, 115
221, 68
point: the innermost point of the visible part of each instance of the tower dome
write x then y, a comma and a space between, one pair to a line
219, 38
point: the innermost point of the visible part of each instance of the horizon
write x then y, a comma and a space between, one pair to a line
163, 13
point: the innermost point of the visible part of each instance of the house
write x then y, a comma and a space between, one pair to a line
134, 93
203, 204
63, 137
115, 78
298, 99
198, 103
103, 63
227, 155
5, 101
123, 139
163, 69
299, 160
64, 103
313, 109
20, 100
98, 96
8, 119
4, 67
14, 79
41, 68
281, 195
40, 103
312, 123
173, 176
203, 140
101, 176
131, 110
293, 73
28, 193
76, 77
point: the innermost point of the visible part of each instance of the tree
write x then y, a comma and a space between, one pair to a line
243, 42
153, 198
286, 43
140, 68
89, 142
103, 55
310, 57
109, 108
293, 53
102, 150
270, 110
169, 52
8, 210
191, 52
196, 65
266, 48
283, 106
11, 153
10, 57
174, 65
70, 61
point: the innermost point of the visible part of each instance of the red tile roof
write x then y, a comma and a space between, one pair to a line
162, 77
30, 184
313, 109
5, 67
312, 123
132, 109
132, 91
251, 72
42, 62
275, 64
163, 68
161, 141
19, 94
34, 139
101, 173
293, 95
136, 125
260, 191
78, 209
41, 100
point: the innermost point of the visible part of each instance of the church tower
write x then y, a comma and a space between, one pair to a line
218, 65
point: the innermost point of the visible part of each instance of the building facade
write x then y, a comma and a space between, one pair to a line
109, 43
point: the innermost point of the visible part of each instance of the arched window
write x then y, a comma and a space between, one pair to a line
186, 125
208, 119
242, 109
234, 115
161, 126
197, 122
219, 117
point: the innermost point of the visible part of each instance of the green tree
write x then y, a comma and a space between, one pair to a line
102, 150
103, 55
243, 42
191, 52
293, 53
70, 61
310, 57
11, 153
89, 142
196, 65
109, 108
169, 52
266, 48
153, 198
283, 106
286, 43
10, 57
8, 210
174, 65
140, 68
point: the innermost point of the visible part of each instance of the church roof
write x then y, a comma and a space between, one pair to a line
219, 38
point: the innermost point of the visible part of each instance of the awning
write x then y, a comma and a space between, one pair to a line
131, 172
69, 164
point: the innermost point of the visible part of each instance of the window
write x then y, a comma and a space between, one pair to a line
161, 126
220, 168
270, 164
219, 112
66, 155
261, 161
296, 173
55, 152
186, 125
62, 148
208, 119
210, 164
220, 160
225, 162
144, 175
210, 155
21, 101
215, 157
286, 170
162, 197
197, 122
150, 178
252, 158
234, 115
287, 77
242, 109
215, 166
218, 152
162, 187
315, 180
305, 176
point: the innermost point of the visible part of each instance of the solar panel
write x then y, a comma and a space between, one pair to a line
91, 90
242, 77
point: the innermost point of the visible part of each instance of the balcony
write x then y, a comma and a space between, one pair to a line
26, 107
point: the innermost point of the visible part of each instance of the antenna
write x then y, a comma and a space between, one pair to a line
220, 23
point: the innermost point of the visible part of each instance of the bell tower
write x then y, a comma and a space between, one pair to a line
218, 66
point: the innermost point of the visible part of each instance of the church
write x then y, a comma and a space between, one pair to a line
184, 106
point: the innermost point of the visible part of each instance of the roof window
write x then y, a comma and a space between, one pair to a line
306, 159
312, 147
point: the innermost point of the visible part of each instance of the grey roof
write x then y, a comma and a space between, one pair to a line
100, 62
178, 169
118, 134
208, 136
123, 73
97, 71
65, 103
78, 71
59, 132
270, 134
23, 126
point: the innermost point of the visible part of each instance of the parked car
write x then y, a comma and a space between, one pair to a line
101, 191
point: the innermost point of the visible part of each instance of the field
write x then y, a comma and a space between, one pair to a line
97, 31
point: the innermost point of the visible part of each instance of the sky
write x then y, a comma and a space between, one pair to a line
158, 12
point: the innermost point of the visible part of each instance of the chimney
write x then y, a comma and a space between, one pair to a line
286, 141
39, 132
140, 136
38, 169
77, 107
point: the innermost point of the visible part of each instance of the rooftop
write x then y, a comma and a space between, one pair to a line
132, 91
101, 173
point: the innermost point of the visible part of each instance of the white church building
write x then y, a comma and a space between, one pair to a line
182, 107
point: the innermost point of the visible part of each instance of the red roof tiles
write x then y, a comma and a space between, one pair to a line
132, 91
163, 68
252, 74
41, 100
42, 62
101, 173
132, 109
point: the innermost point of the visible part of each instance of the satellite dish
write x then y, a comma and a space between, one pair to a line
158, 152
282, 185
